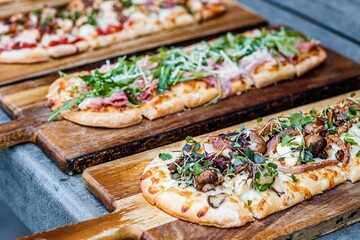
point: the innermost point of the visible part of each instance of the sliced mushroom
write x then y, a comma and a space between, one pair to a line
339, 155
257, 143
216, 200
316, 143
207, 176
316, 127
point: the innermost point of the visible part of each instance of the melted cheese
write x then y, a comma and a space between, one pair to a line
3, 28
290, 157
354, 134
87, 31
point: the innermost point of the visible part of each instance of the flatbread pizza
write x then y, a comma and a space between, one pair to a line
236, 177
173, 79
80, 25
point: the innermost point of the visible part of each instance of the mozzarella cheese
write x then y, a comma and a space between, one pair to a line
3, 28
354, 134
291, 157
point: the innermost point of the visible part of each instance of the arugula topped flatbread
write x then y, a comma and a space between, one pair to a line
172, 79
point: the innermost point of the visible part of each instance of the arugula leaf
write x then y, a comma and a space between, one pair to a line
67, 106
358, 154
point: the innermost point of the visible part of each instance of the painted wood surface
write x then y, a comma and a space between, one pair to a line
235, 18
86, 146
116, 184
332, 17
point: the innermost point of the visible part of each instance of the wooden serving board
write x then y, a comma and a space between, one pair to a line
9, 7
236, 17
116, 184
75, 147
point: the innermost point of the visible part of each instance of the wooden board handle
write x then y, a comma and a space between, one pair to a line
18, 131
108, 227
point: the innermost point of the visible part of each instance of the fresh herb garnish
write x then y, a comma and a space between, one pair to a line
165, 156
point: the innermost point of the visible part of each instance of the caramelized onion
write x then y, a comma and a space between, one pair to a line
276, 139
337, 140
306, 167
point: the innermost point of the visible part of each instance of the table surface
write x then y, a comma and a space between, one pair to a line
44, 197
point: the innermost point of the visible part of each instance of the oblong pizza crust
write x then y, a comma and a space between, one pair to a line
270, 73
62, 50
25, 55
308, 184
194, 93
161, 105
190, 205
310, 61
125, 118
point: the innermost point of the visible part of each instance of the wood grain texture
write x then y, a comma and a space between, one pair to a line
116, 184
86, 146
236, 17
14, 6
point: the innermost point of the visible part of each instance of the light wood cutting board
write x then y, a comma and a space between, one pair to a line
236, 18
116, 184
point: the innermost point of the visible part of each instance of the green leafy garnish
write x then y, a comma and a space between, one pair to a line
294, 178
165, 156
67, 106
350, 140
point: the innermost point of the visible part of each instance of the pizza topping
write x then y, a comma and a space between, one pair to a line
306, 167
216, 200
344, 154
205, 167
207, 180
118, 99
316, 143
229, 58
305, 47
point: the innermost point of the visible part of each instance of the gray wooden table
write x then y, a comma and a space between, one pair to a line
45, 198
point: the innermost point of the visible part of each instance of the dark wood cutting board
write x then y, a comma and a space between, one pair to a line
236, 17
116, 184
75, 147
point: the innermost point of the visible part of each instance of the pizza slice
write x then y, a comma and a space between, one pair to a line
341, 122
203, 10
171, 79
251, 173
192, 189
22, 48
